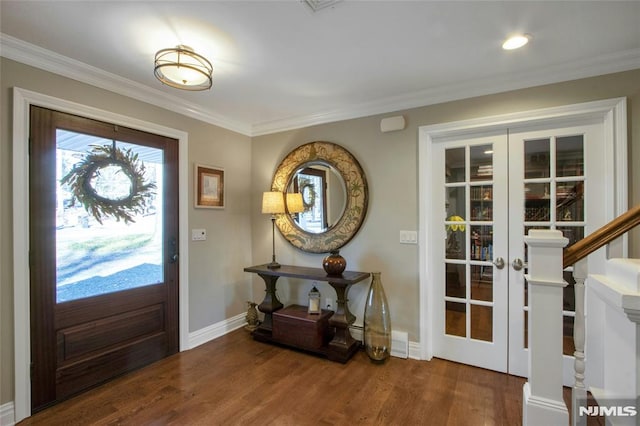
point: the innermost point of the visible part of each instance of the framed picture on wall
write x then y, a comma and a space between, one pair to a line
209, 187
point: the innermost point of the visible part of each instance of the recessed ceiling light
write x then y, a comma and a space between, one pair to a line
516, 41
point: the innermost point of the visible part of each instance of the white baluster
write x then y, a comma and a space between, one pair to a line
579, 392
542, 399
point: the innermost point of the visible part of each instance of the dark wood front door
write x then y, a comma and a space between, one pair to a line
104, 292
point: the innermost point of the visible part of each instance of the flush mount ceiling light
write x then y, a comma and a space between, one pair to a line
516, 41
182, 68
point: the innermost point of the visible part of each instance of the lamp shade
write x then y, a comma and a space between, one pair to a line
273, 202
182, 68
294, 202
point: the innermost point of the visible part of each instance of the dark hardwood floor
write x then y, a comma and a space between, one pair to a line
234, 380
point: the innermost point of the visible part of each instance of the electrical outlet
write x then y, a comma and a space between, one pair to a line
328, 304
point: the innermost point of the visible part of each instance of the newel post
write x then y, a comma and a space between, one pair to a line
542, 394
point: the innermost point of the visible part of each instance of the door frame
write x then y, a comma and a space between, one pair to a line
612, 113
22, 101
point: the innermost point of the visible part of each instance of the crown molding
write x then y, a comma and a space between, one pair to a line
605, 64
29, 54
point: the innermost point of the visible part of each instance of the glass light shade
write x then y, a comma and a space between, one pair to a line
182, 68
273, 202
294, 202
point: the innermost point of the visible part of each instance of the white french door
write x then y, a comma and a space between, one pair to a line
557, 180
471, 293
494, 188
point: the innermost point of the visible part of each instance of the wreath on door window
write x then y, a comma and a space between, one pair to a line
98, 164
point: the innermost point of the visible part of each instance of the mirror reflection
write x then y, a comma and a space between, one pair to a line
323, 196
335, 191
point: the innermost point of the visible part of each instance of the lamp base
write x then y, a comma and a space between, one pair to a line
273, 265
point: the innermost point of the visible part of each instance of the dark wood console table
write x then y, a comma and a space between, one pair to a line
343, 345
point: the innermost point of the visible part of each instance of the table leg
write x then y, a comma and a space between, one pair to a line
343, 345
269, 305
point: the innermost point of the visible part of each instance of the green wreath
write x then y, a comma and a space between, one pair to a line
308, 191
80, 177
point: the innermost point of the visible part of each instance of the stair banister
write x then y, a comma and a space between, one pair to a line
603, 236
540, 398
575, 256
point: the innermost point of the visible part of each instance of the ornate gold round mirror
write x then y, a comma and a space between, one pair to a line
334, 193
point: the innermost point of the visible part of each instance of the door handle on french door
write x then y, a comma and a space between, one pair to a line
499, 262
173, 250
517, 264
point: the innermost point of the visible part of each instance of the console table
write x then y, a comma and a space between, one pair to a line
343, 345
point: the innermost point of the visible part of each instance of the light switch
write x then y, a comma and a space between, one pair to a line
198, 234
408, 237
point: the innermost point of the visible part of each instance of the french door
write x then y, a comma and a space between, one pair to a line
104, 287
494, 188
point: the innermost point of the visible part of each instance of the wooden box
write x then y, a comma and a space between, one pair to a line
294, 326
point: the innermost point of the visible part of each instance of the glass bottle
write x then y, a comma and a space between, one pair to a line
377, 322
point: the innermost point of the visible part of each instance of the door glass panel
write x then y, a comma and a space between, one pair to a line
536, 158
569, 201
482, 202
482, 242
455, 203
456, 319
454, 165
482, 283
573, 233
456, 281
537, 202
481, 162
482, 323
570, 156
94, 258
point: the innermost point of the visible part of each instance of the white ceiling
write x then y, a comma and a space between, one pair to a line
278, 65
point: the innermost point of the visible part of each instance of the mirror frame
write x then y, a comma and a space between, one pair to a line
357, 196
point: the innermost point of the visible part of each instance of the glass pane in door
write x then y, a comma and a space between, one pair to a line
94, 258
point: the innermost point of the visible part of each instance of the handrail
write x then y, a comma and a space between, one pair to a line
601, 237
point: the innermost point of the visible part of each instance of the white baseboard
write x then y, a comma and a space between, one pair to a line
216, 330
400, 345
7, 414
415, 350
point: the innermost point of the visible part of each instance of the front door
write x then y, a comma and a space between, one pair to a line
494, 188
103, 247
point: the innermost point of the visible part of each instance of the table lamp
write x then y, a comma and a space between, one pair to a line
273, 203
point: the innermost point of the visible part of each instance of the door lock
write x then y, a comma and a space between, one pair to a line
517, 264
173, 250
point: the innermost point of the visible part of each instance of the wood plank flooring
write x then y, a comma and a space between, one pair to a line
234, 380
